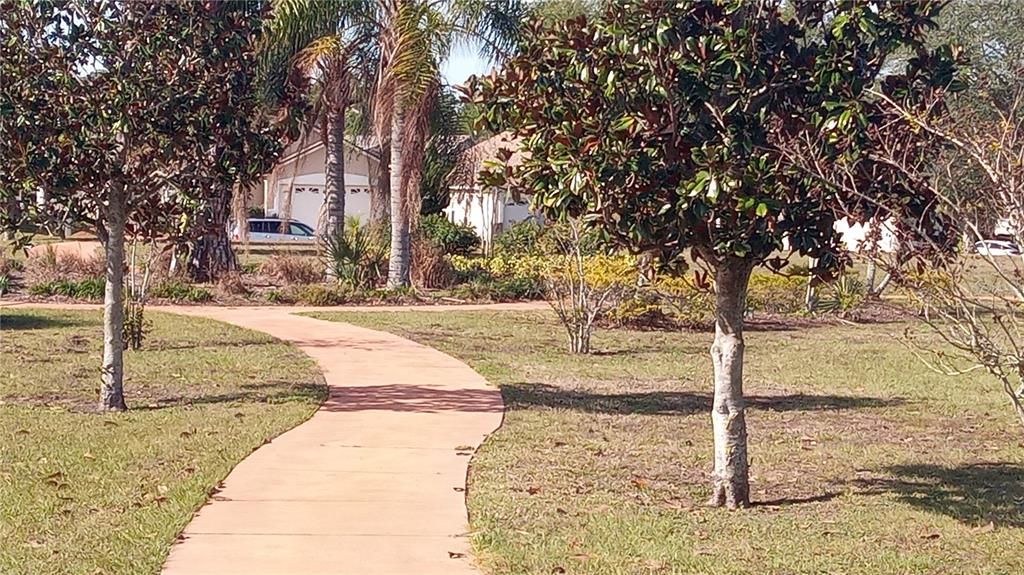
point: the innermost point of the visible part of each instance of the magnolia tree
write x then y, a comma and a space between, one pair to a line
665, 125
119, 115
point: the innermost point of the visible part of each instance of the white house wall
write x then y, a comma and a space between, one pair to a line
477, 209
854, 236
295, 189
490, 212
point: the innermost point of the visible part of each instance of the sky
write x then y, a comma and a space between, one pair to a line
463, 63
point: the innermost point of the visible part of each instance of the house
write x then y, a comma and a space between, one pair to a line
488, 210
855, 236
295, 188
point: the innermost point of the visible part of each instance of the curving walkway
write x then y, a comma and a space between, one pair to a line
373, 483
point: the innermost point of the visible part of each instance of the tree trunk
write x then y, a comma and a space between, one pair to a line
869, 277
214, 255
334, 195
398, 263
380, 192
332, 220
112, 384
731, 482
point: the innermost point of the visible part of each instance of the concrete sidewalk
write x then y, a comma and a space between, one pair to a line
373, 483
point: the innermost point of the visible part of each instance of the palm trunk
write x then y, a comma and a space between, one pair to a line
380, 192
214, 256
731, 476
112, 384
398, 263
333, 222
334, 198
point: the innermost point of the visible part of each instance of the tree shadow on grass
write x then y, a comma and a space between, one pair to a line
268, 392
975, 494
15, 321
526, 395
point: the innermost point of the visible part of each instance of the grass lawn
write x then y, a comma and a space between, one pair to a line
89, 493
864, 462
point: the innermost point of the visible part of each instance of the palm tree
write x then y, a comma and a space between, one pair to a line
331, 44
416, 37
407, 40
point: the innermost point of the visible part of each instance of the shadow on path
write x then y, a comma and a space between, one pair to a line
412, 398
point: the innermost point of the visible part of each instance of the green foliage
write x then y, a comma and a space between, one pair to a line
452, 238
87, 135
5, 283
276, 296
89, 289
487, 288
777, 294
136, 326
443, 152
692, 125
321, 295
842, 295
521, 238
358, 257
9, 264
180, 291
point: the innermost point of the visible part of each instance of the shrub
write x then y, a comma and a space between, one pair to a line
451, 238
275, 296
49, 265
8, 264
582, 288
231, 283
136, 326
358, 257
520, 239
176, 290
467, 269
91, 288
777, 294
251, 267
843, 295
293, 270
5, 283
486, 288
320, 295
667, 302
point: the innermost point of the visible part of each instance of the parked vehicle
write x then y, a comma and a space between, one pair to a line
277, 230
997, 248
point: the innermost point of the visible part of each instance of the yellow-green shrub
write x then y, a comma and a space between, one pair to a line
773, 293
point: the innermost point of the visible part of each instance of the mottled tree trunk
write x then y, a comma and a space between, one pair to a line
869, 277
731, 483
380, 192
214, 255
112, 374
398, 263
334, 194
332, 221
